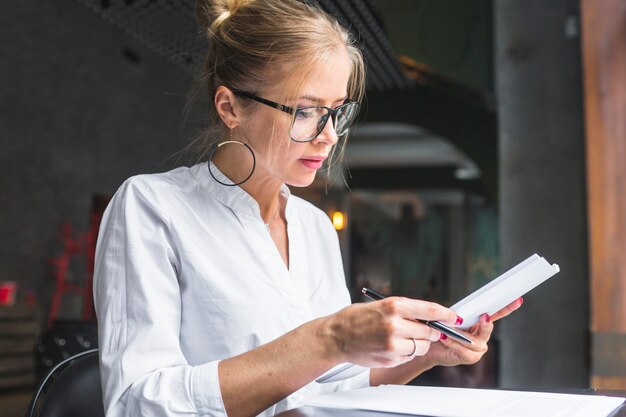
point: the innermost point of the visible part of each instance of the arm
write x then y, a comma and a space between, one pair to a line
137, 301
373, 334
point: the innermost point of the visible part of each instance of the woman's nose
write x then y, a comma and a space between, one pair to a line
328, 133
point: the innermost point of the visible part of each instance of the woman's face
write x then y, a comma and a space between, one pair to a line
266, 130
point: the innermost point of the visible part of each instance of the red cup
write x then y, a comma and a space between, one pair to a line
7, 293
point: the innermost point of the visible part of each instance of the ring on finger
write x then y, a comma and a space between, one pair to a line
414, 348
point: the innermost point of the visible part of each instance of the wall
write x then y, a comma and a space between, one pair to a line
77, 117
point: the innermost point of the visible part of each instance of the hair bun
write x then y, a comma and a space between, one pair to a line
211, 13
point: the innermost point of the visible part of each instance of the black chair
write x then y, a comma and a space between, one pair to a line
70, 389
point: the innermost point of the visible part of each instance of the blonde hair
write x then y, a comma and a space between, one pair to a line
258, 43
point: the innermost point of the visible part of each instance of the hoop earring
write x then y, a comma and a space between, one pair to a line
214, 148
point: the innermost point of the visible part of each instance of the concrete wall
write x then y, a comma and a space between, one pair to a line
542, 183
76, 118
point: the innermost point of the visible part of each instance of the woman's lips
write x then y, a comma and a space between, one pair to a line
313, 162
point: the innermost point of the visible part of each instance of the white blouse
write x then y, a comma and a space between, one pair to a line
187, 274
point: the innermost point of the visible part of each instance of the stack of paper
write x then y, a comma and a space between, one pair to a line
464, 402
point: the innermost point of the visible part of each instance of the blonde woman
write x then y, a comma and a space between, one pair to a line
217, 292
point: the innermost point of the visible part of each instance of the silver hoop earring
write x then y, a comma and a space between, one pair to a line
214, 149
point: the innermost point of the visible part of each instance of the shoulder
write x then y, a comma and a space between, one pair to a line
175, 180
151, 192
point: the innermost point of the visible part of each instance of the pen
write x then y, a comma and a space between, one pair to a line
449, 331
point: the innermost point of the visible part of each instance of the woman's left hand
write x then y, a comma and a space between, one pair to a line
450, 352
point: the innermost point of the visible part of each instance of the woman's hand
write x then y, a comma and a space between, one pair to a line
451, 353
385, 333
446, 352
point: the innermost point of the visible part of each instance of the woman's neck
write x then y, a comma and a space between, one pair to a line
262, 186
266, 193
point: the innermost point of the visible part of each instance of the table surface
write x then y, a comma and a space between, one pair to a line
308, 411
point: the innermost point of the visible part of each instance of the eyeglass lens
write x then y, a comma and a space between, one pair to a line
310, 121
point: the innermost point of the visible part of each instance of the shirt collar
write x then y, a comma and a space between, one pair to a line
234, 197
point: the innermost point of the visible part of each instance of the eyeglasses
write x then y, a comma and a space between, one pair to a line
309, 121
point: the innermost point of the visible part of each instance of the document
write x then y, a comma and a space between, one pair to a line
465, 402
503, 290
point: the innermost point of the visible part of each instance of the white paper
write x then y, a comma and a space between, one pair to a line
503, 290
465, 402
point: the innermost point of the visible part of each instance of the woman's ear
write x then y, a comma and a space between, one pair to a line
227, 107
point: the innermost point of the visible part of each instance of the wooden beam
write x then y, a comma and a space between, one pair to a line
604, 60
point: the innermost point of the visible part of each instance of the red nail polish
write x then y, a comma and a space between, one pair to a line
487, 318
459, 321
521, 301
443, 337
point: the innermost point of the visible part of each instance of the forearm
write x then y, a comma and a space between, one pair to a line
374, 334
401, 374
253, 381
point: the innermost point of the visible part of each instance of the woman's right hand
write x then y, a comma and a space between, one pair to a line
379, 333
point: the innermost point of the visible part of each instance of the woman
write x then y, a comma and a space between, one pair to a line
218, 293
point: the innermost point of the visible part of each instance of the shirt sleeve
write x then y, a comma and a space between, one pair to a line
138, 305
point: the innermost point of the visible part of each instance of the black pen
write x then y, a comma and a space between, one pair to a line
448, 331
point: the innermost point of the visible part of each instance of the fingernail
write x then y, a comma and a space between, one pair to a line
487, 318
459, 321
521, 301
443, 337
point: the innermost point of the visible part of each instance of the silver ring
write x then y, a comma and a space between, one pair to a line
414, 348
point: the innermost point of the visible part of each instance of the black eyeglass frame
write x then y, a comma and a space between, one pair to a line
292, 111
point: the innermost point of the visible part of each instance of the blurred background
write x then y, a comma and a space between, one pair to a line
492, 130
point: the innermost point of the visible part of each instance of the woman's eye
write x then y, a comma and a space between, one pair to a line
305, 114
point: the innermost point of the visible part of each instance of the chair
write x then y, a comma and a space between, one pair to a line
72, 389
